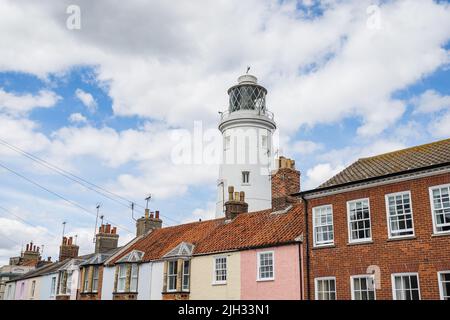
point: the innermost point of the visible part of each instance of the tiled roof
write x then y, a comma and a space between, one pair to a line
247, 230
414, 158
160, 241
46, 269
255, 229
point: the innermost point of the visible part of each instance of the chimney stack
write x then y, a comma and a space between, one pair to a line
236, 204
67, 250
31, 254
285, 181
150, 221
106, 239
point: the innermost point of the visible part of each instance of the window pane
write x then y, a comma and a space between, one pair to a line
363, 288
326, 289
323, 225
359, 220
407, 287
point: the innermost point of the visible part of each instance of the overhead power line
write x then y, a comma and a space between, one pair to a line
77, 179
58, 195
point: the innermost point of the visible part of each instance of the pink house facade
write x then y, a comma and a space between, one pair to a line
284, 284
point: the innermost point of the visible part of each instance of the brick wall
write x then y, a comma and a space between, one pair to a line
285, 181
425, 253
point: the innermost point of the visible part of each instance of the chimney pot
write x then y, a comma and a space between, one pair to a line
70, 241
113, 231
147, 211
34, 248
242, 196
230, 193
236, 196
157, 214
27, 246
151, 215
108, 228
49, 259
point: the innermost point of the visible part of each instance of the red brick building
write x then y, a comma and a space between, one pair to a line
380, 229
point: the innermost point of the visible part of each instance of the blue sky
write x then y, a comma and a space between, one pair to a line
103, 101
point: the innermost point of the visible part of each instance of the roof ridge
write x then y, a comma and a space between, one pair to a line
404, 149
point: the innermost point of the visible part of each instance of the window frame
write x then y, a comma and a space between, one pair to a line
243, 174
119, 277
86, 279
169, 275
53, 287
134, 266
316, 292
33, 288
322, 244
95, 288
441, 286
258, 265
388, 216
186, 276
403, 274
433, 216
215, 281
364, 240
359, 276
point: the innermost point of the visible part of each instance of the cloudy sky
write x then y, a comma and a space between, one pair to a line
346, 79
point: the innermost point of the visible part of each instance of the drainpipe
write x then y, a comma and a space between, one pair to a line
308, 282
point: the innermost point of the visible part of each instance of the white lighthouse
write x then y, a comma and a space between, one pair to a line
247, 129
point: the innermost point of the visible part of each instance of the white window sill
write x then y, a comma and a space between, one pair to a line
408, 237
219, 283
441, 234
265, 280
354, 243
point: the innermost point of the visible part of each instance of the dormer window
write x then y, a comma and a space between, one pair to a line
127, 275
127, 272
177, 270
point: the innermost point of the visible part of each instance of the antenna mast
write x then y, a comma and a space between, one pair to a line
149, 197
96, 220
63, 229
132, 211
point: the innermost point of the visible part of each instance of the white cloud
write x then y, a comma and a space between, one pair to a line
206, 213
16, 104
439, 127
430, 101
77, 118
319, 174
304, 147
87, 99
173, 76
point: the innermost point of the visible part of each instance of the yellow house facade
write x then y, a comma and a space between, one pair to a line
219, 285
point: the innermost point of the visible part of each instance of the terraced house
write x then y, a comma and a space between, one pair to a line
380, 229
243, 255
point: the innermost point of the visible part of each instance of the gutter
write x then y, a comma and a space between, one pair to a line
308, 282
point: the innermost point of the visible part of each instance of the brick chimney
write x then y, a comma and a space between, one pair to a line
31, 253
285, 181
106, 239
148, 222
236, 204
67, 249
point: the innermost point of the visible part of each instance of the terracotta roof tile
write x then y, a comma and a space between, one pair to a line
393, 162
247, 230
